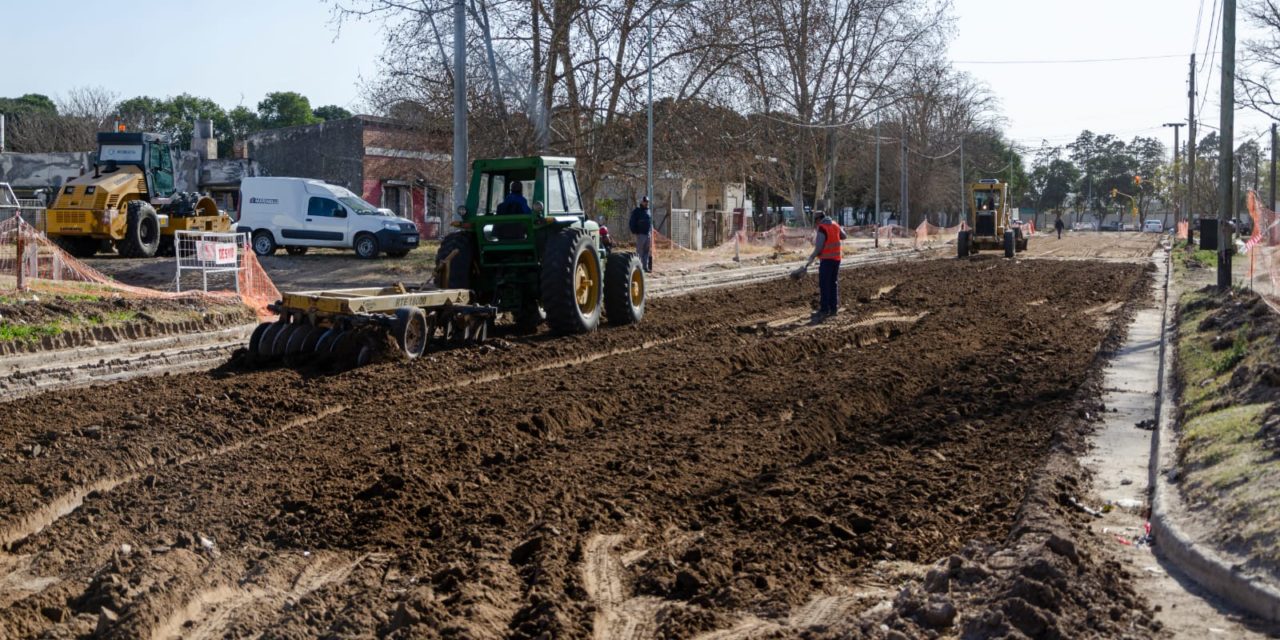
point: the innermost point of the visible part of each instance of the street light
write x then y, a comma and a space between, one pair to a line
648, 190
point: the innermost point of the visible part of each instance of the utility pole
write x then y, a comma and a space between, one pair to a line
1191, 152
1177, 174
964, 218
459, 106
1273, 166
902, 180
878, 221
648, 188
1226, 151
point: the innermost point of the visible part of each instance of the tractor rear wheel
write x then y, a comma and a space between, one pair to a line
461, 264
571, 282
142, 231
962, 244
1010, 244
624, 289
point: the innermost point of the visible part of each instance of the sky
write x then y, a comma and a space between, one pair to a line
1125, 98
236, 51
231, 51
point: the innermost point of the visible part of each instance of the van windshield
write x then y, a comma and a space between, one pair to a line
359, 206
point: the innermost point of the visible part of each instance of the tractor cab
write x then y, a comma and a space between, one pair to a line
514, 238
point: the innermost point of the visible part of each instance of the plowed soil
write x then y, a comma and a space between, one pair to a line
727, 468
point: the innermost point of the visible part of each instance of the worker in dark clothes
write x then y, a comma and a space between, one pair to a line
641, 227
515, 202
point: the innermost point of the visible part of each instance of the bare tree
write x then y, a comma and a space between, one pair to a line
816, 65
81, 115
1259, 71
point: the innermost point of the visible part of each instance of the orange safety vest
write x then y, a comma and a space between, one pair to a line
831, 241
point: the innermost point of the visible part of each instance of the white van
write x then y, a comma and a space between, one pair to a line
298, 213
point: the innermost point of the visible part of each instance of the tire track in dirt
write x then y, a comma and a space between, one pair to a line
50, 512
211, 612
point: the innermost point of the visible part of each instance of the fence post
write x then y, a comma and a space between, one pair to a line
20, 250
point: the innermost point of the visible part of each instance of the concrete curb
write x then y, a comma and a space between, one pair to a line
1197, 560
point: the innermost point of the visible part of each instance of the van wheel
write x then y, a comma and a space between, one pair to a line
366, 246
263, 243
296, 251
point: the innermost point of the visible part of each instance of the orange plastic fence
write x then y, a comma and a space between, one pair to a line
29, 260
1182, 230
1261, 246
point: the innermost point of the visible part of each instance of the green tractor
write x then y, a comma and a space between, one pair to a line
548, 263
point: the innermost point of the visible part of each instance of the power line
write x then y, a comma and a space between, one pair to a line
1195, 40
1074, 61
1211, 48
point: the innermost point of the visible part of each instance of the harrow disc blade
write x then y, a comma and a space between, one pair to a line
268, 339
298, 338
255, 339
282, 339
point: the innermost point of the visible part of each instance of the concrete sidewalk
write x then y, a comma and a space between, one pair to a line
1121, 460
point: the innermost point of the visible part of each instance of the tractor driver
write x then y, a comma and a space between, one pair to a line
515, 202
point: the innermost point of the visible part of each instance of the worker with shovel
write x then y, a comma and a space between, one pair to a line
826, 248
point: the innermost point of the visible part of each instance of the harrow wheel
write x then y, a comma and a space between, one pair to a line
410, 331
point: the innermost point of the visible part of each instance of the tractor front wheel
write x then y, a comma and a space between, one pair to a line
962, 244
1010, 244
624, 289
571, 282
142, 231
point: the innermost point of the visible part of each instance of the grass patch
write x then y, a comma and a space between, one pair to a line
1228, 471
10, 332
1184, 260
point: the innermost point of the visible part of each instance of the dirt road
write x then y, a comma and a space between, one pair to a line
724, 467
1093, 245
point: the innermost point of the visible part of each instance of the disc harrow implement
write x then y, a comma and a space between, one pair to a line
353, 327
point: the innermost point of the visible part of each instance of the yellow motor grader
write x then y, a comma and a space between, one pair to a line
991, 224
129, 201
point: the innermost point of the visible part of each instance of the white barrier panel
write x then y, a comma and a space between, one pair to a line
216, 255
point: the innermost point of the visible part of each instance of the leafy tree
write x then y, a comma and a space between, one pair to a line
244, 121
1053, 179
331, 112
31, 103
285, 109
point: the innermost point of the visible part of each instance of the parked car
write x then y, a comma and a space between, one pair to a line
299, 213
1153, 226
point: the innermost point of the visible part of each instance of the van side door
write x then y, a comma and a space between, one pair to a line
323, 224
